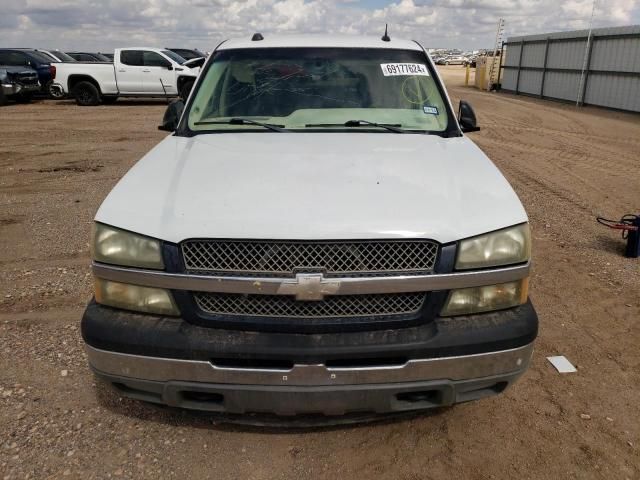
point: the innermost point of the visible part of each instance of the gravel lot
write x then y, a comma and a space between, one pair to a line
57, 163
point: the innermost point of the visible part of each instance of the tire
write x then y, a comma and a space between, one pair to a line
86, 94
3, 98
446, 63
24, 98
186, 90
109, 100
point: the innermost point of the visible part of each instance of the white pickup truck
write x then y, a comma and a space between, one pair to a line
136, 72
318, 235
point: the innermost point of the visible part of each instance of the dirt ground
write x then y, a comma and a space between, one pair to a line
58, 161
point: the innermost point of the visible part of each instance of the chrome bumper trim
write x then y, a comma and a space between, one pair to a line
11, 89
325, 286
447, 368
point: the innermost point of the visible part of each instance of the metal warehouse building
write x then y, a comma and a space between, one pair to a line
602, 70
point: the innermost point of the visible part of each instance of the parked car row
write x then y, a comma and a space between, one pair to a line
30, 59
58, 74
452, 60
455, 60
134, 72
461, 59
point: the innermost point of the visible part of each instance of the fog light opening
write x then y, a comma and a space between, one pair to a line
202, 397
422, 396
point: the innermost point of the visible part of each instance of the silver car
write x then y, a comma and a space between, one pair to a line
453, 60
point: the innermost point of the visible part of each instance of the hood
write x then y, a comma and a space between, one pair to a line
313, 186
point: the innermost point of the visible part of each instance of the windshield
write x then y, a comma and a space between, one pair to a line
319, 88
62, 56
174, 56
41, 57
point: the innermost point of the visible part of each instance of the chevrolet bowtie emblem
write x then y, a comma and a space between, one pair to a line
309, 287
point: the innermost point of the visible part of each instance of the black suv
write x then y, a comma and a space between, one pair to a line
29, 57
17, 83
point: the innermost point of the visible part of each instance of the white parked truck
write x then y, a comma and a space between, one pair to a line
136, 72
317, 235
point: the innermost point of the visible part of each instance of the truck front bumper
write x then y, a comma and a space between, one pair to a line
169, 361
10, 89
56, 90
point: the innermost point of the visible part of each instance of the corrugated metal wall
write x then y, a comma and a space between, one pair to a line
550, 66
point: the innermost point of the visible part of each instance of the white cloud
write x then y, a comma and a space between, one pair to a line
104, 24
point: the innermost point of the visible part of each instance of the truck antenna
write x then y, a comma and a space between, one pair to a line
386, 37
165, 91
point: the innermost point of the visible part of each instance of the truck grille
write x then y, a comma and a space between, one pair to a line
25, 78
333, 258
285, 306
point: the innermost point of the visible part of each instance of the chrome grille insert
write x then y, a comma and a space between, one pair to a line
286, 306
333, 258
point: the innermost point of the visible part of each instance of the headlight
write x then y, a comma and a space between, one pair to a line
118, 247
467, 301
134, 297
504, 247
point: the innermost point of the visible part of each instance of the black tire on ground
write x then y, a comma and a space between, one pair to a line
24, 98
109, 100
3, 98
86, 94
186, 90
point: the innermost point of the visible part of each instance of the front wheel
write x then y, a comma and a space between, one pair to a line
86, 94
24, 98
186, 90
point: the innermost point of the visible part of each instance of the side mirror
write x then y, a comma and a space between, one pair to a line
467, 117
172, 116
169, 67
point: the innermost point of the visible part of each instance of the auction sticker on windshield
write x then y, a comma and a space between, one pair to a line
396, 69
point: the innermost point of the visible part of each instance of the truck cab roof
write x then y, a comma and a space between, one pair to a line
319, 41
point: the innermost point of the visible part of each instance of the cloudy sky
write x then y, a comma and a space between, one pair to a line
105, 24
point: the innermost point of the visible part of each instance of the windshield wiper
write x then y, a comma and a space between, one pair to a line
359, 123
244, 121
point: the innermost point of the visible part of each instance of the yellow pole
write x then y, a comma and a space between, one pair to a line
466, 77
